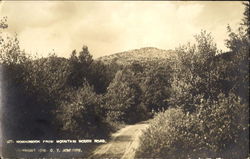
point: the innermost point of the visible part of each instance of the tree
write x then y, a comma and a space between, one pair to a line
80, 66
3, 23
194, 74
81, 115
10, 52
99, 76
246, 19
156, 88
123, 98
239, 45
27, 111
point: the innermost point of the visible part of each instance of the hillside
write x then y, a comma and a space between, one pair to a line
143, 55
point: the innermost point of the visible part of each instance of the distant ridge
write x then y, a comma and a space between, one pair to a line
142, 55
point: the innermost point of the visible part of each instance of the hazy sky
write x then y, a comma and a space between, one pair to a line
108, 27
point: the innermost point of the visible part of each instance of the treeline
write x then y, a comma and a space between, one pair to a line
209, 102
76, 97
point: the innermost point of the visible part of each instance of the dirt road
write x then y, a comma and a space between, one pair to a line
123, 143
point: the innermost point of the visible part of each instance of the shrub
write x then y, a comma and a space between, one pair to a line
82, 115
217, 129
172, 134
225, 126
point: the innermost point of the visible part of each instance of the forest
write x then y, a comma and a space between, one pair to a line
197, 101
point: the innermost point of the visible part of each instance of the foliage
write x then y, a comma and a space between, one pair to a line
136, 91
3, 23
83, 67
155, 87
210, 97
203, 94
123, 98
246, 19
81, 115
217, 130
194, 75
25, 112
36, 89
79, 67
100, 76
48, 76
239, 43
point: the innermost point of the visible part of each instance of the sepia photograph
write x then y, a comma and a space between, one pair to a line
124, 79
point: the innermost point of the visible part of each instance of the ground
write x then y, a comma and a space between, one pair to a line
123, 143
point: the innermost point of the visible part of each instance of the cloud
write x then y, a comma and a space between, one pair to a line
111, 26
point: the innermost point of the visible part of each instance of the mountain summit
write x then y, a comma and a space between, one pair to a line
142, 55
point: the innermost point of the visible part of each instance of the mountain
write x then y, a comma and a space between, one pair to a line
142, 55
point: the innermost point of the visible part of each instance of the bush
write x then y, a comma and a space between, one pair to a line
82, 115
172, 134
217, 129
225, 126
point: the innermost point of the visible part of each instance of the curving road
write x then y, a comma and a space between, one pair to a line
123, 144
